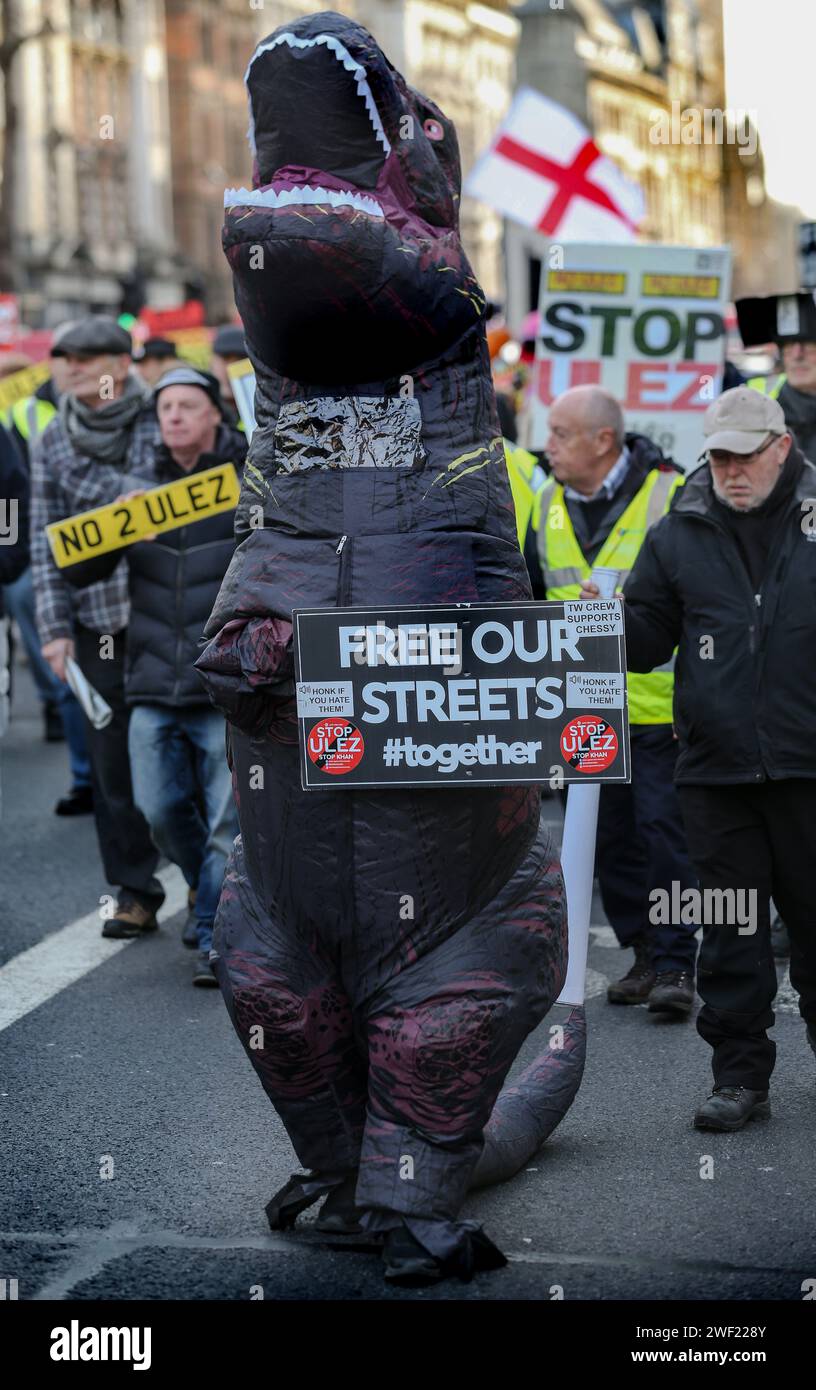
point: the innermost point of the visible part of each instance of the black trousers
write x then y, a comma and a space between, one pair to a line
129, 856
762, 837
641, 846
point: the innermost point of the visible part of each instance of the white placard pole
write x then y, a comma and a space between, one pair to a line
578, 853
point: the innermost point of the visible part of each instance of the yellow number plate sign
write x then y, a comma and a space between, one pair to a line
159, 509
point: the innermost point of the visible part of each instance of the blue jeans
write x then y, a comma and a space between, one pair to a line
183, 787
18, 599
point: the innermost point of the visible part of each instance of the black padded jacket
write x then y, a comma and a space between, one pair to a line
174, 581
744, 706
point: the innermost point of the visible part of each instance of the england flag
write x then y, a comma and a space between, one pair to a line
545, 171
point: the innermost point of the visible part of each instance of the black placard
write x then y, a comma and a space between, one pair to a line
457, 694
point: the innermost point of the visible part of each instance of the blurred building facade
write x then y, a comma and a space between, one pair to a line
132, 120
617, 65
91, 193
462, 55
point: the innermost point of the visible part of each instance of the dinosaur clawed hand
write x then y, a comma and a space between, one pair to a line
248, 670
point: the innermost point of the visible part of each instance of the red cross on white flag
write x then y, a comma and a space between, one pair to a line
545, 170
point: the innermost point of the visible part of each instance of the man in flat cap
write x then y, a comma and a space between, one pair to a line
96, 447
728, 577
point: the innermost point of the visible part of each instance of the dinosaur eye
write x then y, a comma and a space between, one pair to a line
433, 129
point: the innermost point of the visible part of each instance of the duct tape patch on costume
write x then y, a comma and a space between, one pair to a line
154, 511
460, 695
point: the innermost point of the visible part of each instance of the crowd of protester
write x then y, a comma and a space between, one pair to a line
723, 789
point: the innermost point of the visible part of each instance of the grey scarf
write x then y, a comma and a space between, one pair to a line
104, 434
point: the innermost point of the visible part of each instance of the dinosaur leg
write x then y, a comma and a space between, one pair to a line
295, 1022
442, 1035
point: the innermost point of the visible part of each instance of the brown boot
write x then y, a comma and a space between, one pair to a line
636, 985
130, 919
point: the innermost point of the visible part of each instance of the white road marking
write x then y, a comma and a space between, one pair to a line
92, 1250
595, 984
36, 975
603, 936
787, 1000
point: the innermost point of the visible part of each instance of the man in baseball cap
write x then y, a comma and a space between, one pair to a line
727, 578
747, 443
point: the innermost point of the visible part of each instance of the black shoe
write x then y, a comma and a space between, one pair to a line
636, 985
780, 941
673, 993
338, 1214
77, 802
189, 935
130, 919
204, 974
731, 1107
53, 731
811, 1037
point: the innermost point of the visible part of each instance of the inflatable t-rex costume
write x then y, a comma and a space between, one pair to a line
376, 477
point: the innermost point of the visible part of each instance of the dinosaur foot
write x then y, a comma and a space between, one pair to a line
338, 1215
409, 1264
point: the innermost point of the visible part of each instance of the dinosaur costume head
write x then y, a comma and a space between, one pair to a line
346, 250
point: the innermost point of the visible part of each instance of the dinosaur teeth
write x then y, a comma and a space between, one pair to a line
350, 64
285, 197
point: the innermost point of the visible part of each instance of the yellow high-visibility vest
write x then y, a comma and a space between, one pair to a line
769, 386
29, 416
564, 567
527, 478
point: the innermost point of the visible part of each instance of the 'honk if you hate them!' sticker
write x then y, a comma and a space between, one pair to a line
157, 510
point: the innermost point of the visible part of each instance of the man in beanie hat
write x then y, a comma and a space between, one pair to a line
94, 448
181, 781
728, 577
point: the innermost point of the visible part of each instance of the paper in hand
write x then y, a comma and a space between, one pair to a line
98, 710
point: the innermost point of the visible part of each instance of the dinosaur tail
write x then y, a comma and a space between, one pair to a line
527, 1112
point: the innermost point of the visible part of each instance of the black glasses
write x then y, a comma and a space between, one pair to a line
720, 458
